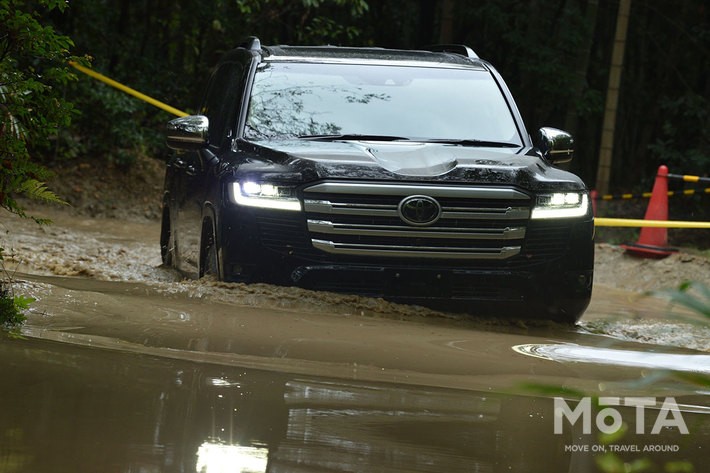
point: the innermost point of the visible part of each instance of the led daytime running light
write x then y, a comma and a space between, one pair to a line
561, 205
265, 196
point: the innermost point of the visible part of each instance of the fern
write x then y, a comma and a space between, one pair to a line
37, 190
12, 308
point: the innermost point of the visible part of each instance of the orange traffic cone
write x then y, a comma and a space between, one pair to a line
653, 242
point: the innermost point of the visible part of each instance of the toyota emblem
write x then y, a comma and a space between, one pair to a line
419, 210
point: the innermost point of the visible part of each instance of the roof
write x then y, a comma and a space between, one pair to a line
367, 54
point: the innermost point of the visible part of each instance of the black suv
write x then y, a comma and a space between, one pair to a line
407, 175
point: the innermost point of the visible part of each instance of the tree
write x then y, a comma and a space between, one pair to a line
612, 98
33, 65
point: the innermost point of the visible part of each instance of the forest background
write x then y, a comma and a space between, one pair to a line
554, 54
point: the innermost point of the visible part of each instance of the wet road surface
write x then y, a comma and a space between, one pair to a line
126, 368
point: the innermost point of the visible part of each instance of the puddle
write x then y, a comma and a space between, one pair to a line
73, 409
126, 367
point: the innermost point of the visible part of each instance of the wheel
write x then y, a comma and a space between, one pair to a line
167, 245
209, 260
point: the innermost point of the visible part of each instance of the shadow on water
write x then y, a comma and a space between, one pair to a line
78, 409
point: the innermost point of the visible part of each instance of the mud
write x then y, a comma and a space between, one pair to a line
127, 367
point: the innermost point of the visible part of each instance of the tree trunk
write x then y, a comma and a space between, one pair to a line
427, 15
612, 98
446, 35
582, 57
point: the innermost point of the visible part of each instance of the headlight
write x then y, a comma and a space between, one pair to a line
265, 196
561, 205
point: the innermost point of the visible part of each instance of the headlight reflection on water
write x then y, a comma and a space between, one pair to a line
222, 458
697, 363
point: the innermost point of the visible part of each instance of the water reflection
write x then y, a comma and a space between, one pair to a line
73, 409
570, 352
220, 458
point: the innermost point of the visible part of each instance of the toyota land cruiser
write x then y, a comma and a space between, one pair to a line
407, 175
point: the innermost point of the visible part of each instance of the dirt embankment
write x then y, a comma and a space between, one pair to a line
99, 189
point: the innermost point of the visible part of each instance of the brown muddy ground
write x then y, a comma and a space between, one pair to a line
125, 366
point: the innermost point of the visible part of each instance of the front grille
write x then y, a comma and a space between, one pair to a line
364, 219
451, 242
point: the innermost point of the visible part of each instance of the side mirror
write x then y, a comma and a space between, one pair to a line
556, 146
188, 132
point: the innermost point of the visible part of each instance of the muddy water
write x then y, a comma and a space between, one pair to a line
127, 368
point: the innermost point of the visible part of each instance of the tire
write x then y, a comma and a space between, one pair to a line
209, 260
167, 245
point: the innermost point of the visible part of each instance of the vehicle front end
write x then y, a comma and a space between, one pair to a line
403, 175
475, 242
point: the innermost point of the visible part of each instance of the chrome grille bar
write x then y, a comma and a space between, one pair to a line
364, 219
342, 208
401, 251
403, 190
507, 213
327, 227
327, 207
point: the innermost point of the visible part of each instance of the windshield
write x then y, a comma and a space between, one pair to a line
304, 99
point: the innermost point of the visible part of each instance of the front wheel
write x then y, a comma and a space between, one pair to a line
209, 260
167, 245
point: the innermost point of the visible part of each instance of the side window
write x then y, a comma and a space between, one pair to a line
220, 104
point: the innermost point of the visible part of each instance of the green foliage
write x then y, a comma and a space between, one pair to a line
550, 390
33, 64
696, 297
684, 138
692, 295
679, 467
114, 125
614, 437
168, 52
11, 306
554, 55
611, 463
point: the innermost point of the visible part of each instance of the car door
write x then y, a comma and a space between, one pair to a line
194, 171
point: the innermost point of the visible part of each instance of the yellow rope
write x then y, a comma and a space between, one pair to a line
627, 222
128, 90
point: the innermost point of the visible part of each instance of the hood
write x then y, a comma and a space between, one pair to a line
415, 161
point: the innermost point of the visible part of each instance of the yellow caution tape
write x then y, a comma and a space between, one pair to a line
688, 178
127, 89
628, 222
646, 195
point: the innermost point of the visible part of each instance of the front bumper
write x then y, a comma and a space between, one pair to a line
562, 296
550, 278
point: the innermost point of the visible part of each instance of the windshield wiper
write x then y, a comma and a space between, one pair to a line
481, 143
364, 137
353, 136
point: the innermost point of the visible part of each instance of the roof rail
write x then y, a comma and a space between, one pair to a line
452, 48
251, 43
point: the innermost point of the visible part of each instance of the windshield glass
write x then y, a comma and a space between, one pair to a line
304, 99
